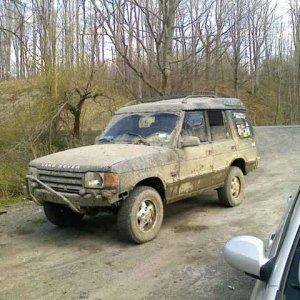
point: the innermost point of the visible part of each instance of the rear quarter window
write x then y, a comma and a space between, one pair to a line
242, 123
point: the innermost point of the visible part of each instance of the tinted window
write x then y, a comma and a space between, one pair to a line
242, 124
292, 287
194, 125
217, 126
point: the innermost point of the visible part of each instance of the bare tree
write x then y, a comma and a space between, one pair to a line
260, 18
156, 47
160, 21
295, 19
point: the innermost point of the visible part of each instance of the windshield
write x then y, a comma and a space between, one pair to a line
141, 128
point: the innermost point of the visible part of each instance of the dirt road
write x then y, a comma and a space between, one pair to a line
38, 260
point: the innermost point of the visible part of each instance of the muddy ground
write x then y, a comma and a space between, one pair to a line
38, 260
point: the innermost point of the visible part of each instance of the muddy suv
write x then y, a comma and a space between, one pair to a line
149, 155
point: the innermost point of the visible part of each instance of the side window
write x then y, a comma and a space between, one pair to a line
292, 285
242, 124
194, 125
217, 125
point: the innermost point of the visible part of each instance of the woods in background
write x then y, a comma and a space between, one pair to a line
58, 55
160, 46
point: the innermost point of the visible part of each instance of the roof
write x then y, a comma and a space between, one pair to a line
187, 103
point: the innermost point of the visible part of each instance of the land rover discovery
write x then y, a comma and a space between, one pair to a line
149, 155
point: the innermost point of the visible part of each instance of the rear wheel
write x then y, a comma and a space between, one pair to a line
61, 215
140, 215
233, 191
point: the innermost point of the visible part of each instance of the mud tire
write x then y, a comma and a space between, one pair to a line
60, 215
128, 226
225, 194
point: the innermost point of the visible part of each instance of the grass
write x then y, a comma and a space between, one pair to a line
7, 202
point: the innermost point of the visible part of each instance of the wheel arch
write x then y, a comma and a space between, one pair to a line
240, 163
156, 183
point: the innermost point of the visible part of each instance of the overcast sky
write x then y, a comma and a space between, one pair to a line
282, 7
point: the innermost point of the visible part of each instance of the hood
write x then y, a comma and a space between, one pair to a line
106, 157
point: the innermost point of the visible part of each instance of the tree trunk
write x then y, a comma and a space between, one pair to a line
169, 12
76, 127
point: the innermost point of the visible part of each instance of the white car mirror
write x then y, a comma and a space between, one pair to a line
246, 253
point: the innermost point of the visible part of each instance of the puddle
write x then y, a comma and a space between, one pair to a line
91, 248
186, 228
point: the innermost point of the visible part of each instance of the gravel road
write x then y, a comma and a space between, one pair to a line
38, 260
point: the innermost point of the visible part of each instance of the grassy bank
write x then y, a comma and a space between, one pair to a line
11, 201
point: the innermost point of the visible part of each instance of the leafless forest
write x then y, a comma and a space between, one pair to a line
67, 65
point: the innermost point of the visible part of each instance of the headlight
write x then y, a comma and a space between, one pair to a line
93, 180
32, 171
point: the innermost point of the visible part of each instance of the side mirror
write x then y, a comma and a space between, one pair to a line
246, 253
189, 141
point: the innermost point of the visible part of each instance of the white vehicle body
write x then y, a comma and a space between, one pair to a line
277, 265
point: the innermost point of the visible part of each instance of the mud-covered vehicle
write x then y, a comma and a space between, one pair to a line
149, 155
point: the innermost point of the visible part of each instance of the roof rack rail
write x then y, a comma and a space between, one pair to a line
204, 94
160, 98
210, 94
153, 99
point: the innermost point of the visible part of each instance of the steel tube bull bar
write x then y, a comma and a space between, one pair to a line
51, 190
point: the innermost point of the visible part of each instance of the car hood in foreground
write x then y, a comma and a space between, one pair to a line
106, 157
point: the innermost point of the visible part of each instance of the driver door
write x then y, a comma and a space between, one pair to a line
195, 161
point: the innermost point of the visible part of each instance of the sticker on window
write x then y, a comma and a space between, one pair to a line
162, 135
146, 122
243, 130
242, 125
239, 115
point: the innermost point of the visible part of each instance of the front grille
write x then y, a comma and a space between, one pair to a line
68, 182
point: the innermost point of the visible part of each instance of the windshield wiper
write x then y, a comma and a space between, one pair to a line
104, 139
141, 138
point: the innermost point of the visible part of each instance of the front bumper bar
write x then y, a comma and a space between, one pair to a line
49, 189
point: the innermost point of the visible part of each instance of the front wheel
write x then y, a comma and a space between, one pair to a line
140, 215
60, 215
233, 191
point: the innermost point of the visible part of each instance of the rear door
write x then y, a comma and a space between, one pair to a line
223, 145
245, 142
